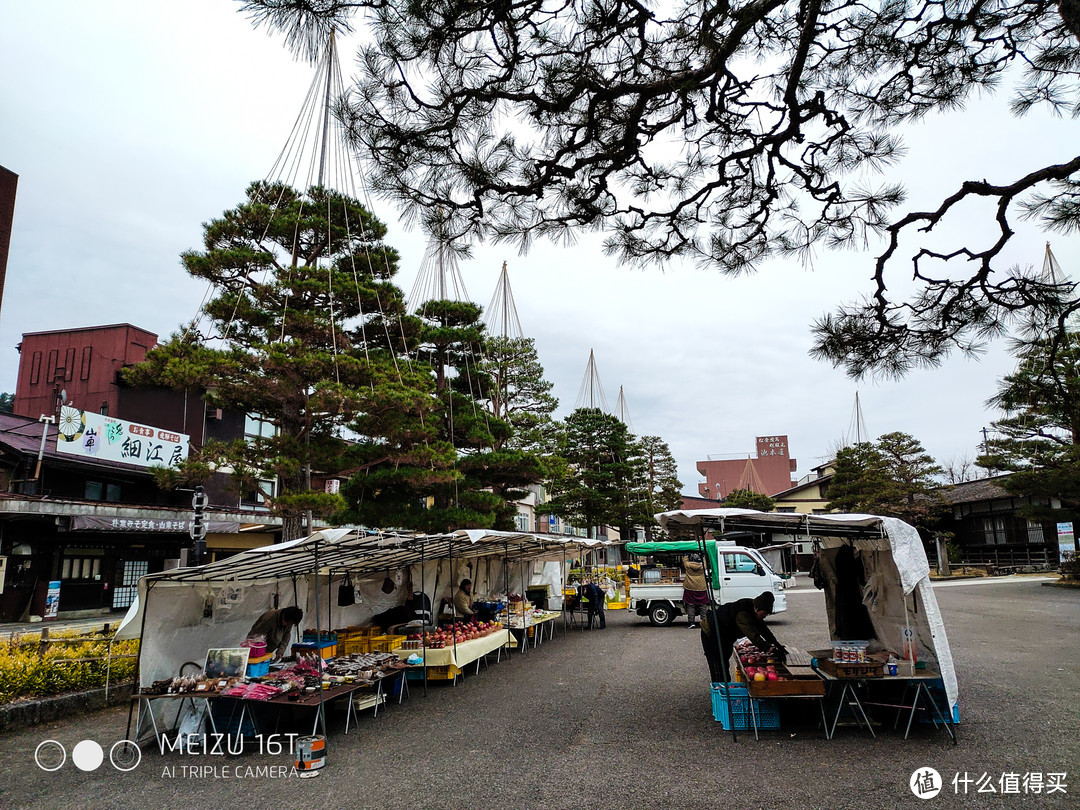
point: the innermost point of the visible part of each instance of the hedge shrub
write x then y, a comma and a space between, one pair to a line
24, 674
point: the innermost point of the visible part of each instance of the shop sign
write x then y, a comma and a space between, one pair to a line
91, 523
94, 436
772, 446
52, 600
1066, 539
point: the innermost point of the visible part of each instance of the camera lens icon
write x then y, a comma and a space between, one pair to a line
125, 755
51, 755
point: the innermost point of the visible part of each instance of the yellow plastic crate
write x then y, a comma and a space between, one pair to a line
393, 642
379, 643
354, 646
444, 673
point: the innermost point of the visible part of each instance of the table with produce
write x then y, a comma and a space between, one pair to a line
768, 679
533, 619
454, 645
306, 683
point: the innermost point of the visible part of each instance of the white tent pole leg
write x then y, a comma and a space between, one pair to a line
318, 642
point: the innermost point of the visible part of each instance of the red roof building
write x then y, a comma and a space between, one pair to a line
768, 473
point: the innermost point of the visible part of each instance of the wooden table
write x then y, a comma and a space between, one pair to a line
917, 681
804, 686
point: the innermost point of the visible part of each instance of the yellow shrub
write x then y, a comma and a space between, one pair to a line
24, 674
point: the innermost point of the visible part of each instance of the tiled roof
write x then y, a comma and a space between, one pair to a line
985, 489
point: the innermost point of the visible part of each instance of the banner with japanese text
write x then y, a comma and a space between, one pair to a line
94, 436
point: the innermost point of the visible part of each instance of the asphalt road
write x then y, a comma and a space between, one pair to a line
621, 719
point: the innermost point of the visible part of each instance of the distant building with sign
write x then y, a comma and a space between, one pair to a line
78, 500
768, 471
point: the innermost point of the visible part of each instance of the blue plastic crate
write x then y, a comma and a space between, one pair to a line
937, 691
258, 670
767, 712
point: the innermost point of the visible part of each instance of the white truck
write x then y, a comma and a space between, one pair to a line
737, 573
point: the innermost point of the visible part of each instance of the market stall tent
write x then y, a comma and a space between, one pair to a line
874, 570
180, 613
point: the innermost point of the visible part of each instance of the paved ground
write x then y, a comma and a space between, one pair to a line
620, 718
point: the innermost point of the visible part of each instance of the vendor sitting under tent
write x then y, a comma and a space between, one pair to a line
415, 610
275, 626
731, 621
463, 604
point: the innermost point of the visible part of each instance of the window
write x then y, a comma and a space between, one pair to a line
93, 490
786, 509
257, 427
35, 368
69, 363
81, 567
257, 497
112, 492
522, 521
1034, 532
84, 373
991, 530
739, 564
50, 373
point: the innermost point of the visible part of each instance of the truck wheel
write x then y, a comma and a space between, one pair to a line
661, 615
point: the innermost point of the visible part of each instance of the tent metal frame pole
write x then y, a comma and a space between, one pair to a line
524, 602
423, 628
453, 607
296, 601
137, 686
714, 626
318, 641
506, 590
562, 589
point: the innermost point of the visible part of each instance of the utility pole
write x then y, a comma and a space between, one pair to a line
45, 422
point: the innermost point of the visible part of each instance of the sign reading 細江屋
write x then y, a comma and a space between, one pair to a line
92, 435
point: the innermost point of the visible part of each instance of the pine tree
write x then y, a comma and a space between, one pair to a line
519, 392
309, 327
661, 485
1037, 439
893, 477
597, 448
725, 134
748, 499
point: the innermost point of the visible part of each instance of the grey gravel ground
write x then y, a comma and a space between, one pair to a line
620, 718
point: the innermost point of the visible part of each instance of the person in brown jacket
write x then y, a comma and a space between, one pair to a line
695, 596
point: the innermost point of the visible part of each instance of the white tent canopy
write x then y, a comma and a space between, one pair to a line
182, 612
888, 562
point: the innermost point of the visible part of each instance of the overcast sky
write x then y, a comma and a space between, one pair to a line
131, 123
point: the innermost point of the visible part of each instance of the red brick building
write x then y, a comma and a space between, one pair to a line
84, 363
768, 473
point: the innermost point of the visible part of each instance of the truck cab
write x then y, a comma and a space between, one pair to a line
734, 572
